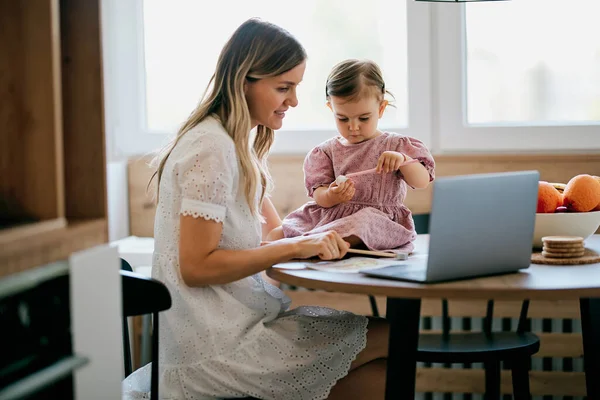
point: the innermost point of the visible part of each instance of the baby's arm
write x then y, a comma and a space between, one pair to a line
334, 194
418, 174
415, 174
319, 177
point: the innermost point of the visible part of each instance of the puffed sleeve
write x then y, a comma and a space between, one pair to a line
205, 175
318, 170
414, 148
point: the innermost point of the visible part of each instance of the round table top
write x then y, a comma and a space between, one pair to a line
547, 282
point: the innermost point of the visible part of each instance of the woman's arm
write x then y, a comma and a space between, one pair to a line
272, 221
201, 263
271, 216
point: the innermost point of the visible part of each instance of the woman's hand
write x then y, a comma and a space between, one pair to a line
390, 161
341, 193
326, 245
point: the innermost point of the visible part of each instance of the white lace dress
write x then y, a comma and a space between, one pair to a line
237, 339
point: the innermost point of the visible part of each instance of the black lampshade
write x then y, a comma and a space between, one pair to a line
455, 1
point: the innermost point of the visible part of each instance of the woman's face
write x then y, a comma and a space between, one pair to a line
269, 98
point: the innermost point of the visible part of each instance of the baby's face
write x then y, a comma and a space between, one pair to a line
357, 120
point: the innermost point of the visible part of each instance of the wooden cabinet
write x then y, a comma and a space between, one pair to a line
52, 152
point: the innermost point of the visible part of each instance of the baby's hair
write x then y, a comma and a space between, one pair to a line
351, 79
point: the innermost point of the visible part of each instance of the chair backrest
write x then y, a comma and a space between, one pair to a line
422, 227
142, 295
421, 223
125, 266
487, 321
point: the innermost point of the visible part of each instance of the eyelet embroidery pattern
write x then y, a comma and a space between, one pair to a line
199, 214
237, 339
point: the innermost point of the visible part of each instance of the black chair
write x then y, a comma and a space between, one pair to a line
142, 295
490, 348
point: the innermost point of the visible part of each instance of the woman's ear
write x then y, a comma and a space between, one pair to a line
328, 104
382, 106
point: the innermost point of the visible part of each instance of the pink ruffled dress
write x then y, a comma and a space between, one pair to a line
376, 214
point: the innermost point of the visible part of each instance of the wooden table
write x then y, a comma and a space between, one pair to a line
538, 282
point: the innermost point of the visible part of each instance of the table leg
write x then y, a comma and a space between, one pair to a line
403, 316
590, 324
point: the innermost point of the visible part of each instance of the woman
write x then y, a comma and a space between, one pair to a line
228, 333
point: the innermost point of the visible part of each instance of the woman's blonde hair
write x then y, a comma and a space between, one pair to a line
351, 79
256, 50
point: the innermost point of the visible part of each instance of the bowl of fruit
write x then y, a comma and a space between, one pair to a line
571, 209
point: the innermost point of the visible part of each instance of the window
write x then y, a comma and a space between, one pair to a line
160, 55
182, 45
518, 76
533, 62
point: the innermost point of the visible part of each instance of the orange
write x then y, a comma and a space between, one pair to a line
549, 199
582, 193
598, 206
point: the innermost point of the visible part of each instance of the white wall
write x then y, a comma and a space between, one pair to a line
116, 173
96, 322
118, 207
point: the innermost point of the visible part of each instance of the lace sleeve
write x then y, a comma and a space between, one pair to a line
205, 177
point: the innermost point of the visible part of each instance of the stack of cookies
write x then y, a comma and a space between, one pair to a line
563, 246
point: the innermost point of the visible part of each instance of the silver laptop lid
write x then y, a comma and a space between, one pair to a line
482, 224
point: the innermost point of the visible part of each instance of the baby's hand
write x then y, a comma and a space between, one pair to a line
390, 161
341, 193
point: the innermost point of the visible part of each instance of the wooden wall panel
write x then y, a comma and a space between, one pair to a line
141, 204
290, 193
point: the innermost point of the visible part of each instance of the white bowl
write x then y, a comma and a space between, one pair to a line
582, 224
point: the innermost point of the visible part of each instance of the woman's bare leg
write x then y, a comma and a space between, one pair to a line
378, 333
366, 379
365, 382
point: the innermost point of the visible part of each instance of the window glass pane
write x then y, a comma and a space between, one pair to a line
533, 62
184, 37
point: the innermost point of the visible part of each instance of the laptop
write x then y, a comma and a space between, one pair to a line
480, 224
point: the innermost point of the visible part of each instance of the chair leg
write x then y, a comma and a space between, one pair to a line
146, 343
154, 367
520, 380
374, 308
126, 348
492, 380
